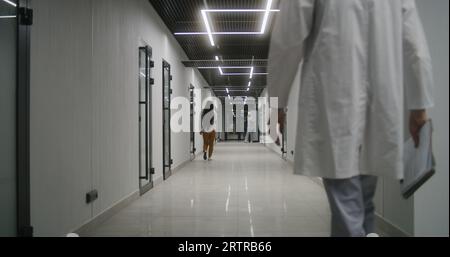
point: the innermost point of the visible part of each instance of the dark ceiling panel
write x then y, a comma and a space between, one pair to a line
234, 50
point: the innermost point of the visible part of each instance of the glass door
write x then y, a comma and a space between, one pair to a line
167, 92
145, 116
284, 144
192, 120
8, 48
15, 21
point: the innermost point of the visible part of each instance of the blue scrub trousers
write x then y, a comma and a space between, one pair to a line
352, 206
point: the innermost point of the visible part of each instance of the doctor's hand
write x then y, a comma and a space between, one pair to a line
281, 122
417, 120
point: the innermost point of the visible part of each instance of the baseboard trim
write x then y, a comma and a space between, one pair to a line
157, 182
180, 167
384, 227
318, 181
273, 150
114, 209
387, 229
106, 214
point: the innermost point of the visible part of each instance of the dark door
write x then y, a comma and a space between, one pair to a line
284, 144
15, 22
167, 94
145, 119
192, 120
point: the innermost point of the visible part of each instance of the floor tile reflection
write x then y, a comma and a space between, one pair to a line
246, 191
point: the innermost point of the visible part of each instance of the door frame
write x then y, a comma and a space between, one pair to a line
24, 22
258, 140
284, 143
149, 170
193, 150
166, 173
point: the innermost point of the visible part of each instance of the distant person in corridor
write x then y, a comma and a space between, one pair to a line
364, 64
208, 132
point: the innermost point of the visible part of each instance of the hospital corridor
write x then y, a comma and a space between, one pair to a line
246, 191
248, 121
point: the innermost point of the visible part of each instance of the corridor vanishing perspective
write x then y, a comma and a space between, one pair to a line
246, 191
315, 114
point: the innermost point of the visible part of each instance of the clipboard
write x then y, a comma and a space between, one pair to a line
419, 163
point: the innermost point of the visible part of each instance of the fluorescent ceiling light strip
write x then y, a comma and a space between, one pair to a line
228, 91
236, 74
11, 3
208, 28
220, 68
8, 17
249, 84
215, 33
232, 86
217, 58
266, 16
244, 74
241, 10
236, 33
190, 33
209, 32
231, 90
235, 67
226, 67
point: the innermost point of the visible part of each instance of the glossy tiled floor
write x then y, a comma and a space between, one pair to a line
247, 190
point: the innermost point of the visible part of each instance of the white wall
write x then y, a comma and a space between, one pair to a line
61, 115
427, 213
84, 101
431, 202
292, 118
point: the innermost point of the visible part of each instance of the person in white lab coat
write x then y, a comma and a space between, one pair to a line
363, 63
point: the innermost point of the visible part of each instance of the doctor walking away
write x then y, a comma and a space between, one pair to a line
208, 132
364, 64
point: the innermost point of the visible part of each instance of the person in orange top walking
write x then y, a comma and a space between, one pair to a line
208, 132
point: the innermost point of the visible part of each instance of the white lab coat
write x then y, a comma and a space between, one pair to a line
364, 63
